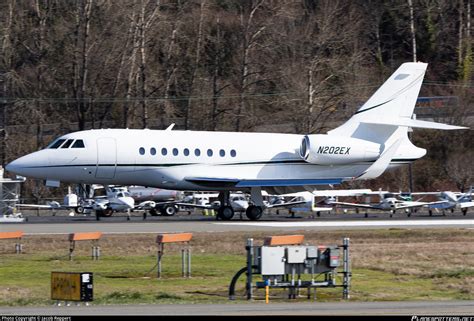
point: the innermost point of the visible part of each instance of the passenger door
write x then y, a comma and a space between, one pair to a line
106, 158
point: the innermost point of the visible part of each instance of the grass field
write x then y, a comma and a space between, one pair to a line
396, 264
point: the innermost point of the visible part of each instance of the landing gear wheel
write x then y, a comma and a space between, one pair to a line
107, 212
464, 211
391, 213
79, 210
430, 212
225, 213
168, 210
153, 212
254, 212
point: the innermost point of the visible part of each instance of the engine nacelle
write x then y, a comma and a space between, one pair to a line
327, 150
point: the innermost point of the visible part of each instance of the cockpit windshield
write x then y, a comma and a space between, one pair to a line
69, 143
57, 143
79, 143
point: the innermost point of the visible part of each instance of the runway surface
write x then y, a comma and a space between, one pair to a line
236, 226
418, 308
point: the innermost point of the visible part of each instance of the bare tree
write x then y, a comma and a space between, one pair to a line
195, 65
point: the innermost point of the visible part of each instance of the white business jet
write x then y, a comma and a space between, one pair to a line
371, 141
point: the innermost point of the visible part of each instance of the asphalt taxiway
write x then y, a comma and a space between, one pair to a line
411, 308
137, 225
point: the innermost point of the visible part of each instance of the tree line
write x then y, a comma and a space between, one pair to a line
296, 66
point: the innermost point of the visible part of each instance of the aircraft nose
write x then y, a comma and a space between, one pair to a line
17, 165
25, 166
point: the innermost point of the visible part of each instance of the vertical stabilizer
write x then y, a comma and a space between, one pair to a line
393, 103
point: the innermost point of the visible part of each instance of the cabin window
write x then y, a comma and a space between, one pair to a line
233, 153
186, 152
67, 143
222, 153
175, 151
197, 152
209, 152
164, 151
57, 143
79, 143
141, 151
153, 151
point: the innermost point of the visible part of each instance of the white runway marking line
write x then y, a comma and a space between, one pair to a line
354, 223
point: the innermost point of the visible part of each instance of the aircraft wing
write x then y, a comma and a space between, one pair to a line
440, 205
368, 206
405, 205
411, 205
241, 183
348, 192
321, 209
286, 204
466, 204
51, 205
207, 206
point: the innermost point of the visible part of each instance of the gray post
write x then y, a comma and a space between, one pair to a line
347, 272
189, 262
18, 247
71, 249
250, 249
160, 254
183, 262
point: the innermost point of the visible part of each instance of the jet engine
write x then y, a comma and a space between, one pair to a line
326, 150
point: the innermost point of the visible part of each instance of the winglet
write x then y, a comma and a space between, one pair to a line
382, 163
170, 127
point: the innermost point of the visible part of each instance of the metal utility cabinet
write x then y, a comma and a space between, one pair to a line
295, 267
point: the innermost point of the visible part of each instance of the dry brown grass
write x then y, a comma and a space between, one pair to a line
421, 252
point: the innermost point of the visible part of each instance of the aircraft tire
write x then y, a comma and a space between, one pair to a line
79, 210
225, 213
107, 212
153, 212
254, 213
464, 211
168, 210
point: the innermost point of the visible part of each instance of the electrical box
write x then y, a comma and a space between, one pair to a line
272, 260
72, 286
311, 252
322, 255
333, 257
296, 254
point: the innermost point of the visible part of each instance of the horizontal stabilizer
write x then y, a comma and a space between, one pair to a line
413, 123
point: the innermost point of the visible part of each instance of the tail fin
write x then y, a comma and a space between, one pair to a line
388, 112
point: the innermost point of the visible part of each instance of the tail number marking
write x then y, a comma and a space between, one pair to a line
334, 150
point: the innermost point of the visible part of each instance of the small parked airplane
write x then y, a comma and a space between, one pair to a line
372, 140
321, 200
116, 200
388, 202
450, 201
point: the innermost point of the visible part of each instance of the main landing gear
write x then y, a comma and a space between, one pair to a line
254, 212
